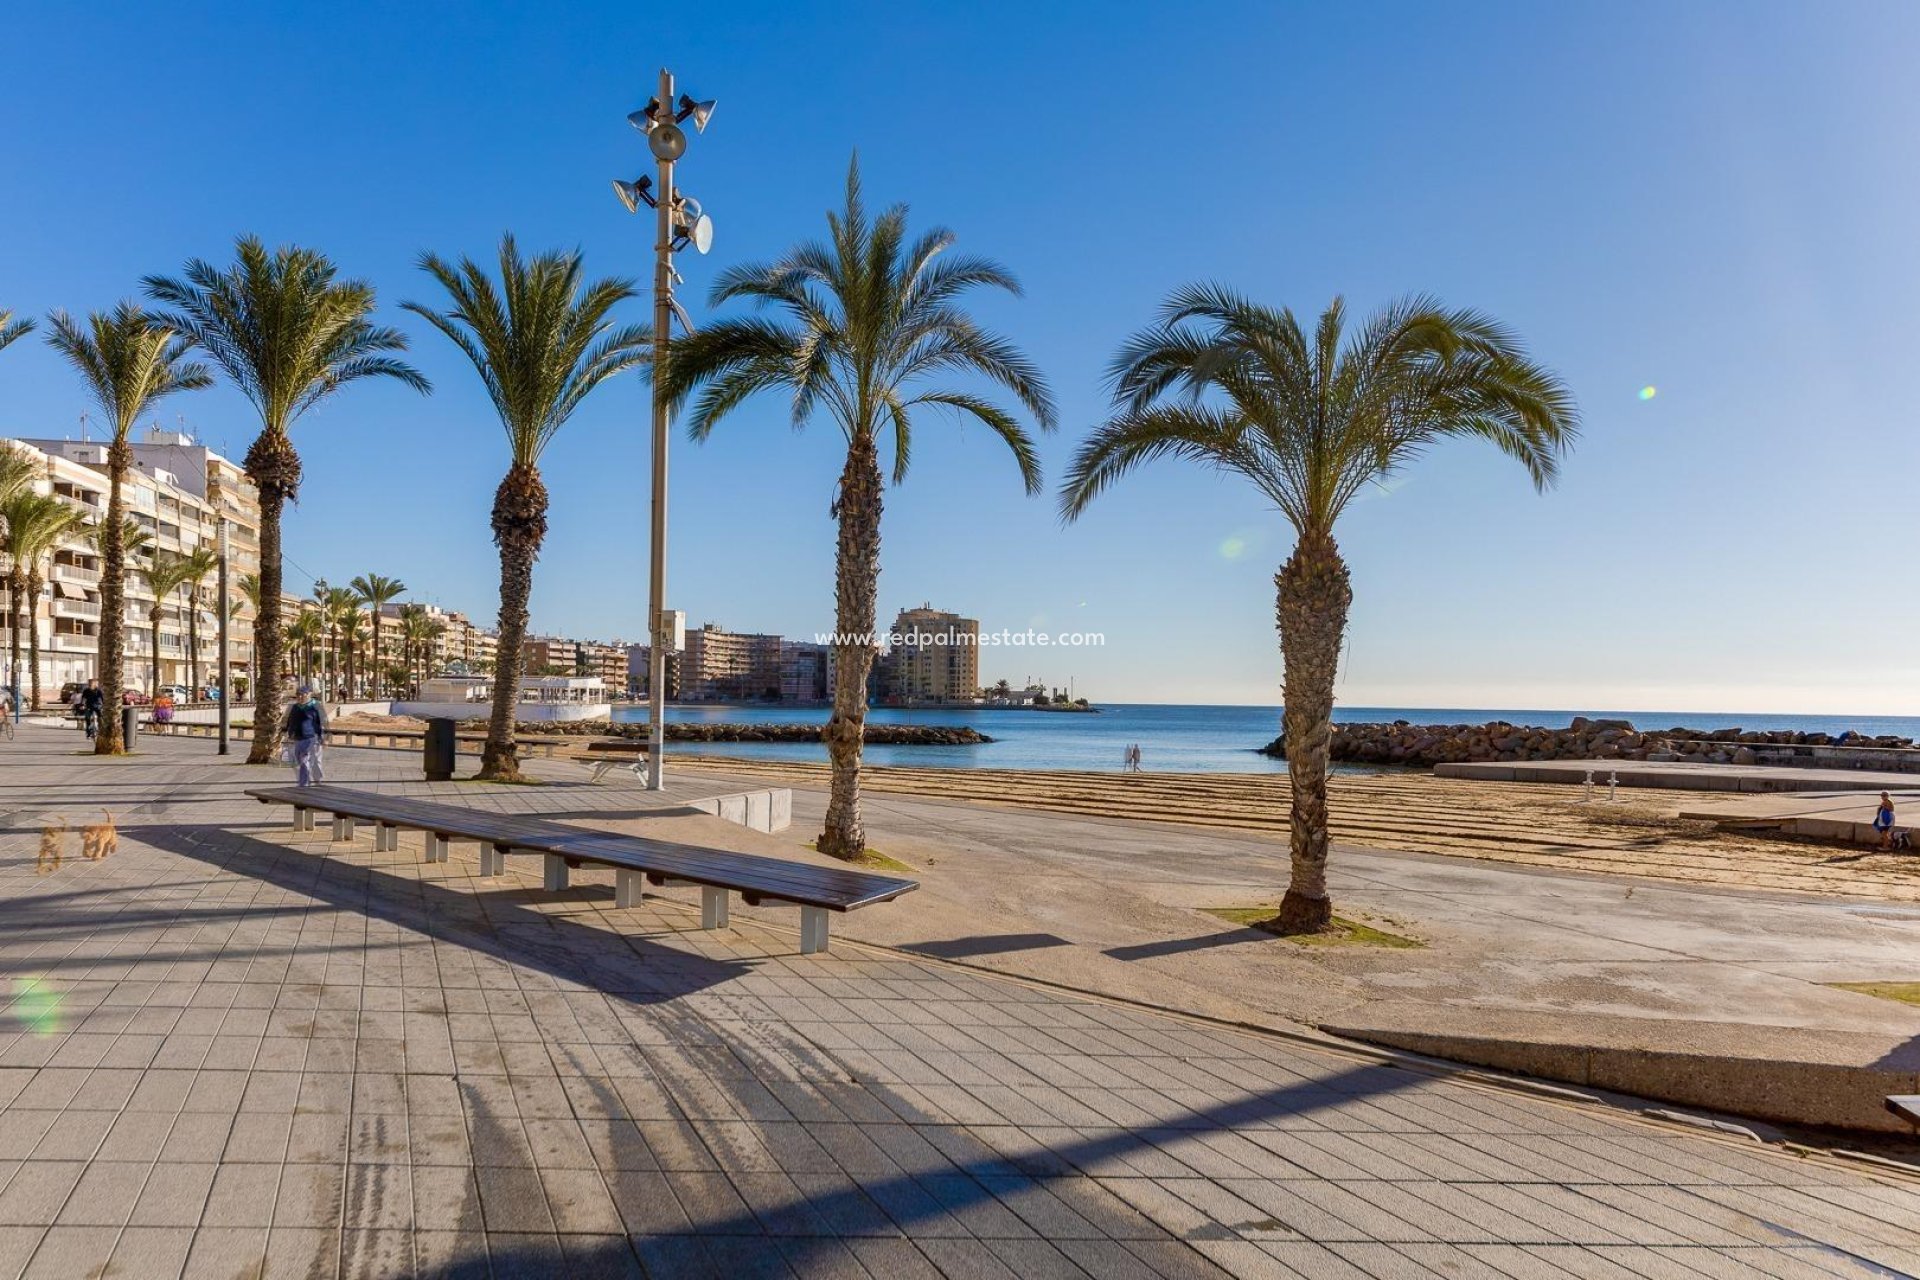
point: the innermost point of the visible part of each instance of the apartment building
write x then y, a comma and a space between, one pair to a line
806, 672
935, 657
181, 494
730, 666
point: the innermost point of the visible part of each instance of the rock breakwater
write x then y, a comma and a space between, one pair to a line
1425, 745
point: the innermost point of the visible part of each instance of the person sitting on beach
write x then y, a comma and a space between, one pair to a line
1883, 821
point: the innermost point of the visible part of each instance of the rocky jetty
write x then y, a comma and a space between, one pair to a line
1425, 745
891, 735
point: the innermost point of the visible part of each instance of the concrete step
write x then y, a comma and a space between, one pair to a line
1797, 1075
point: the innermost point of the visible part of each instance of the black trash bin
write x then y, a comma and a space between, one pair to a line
438, 750
129, 727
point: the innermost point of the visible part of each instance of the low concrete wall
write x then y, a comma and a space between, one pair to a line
767, 811
1795, 1075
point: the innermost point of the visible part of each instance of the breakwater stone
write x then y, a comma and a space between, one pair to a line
1425, 745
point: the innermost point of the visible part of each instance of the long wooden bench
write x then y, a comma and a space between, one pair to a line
636, 860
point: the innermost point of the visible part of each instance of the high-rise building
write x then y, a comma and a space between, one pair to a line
804, 670
730, 666
935, 657
180, 494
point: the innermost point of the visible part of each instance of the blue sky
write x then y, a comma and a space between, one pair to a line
1716, 199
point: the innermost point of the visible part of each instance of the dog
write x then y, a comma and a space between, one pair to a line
53, 840
100, 839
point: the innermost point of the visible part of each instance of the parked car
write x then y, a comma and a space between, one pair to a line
178, 692
134, 698
70, 688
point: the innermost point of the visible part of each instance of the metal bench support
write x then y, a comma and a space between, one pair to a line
813, 930
713, 907
629, 887
556, 873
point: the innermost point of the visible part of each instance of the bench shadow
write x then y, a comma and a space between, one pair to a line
984, 945
630, 966
1180, 946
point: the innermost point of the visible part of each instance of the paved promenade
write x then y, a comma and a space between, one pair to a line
230, 1050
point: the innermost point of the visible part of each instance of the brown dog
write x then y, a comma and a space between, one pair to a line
100, 839
53, 840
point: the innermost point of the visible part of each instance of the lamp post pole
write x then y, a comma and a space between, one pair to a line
226, 694
662, 335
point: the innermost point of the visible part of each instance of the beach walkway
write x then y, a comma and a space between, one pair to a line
233, 1050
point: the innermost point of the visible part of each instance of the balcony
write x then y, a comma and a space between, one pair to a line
89, 609
74, 573
67, 643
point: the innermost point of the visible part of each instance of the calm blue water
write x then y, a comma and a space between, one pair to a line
1172, 738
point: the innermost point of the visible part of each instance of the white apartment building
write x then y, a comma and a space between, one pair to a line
181, 493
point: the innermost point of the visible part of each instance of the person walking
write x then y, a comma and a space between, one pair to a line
93, 705
305, 731
1883, 821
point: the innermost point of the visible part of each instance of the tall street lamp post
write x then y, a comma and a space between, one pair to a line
678, 222
226, 675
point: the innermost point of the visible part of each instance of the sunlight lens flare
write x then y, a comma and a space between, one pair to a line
1233, 547
34, 1007
1649, 391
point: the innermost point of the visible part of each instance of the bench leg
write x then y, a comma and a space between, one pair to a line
386, 838
556, 873
713, 907
342, 827
629, 887
299, 819
813, 930
493, 860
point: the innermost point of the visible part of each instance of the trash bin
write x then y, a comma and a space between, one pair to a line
129, 727
438, 751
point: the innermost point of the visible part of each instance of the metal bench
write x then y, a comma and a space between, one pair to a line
621, 754
637, 861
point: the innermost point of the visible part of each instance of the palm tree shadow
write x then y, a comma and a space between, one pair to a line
492, 924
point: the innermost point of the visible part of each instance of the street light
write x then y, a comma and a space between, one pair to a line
678, 222
226, 698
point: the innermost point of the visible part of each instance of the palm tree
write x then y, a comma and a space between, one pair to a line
413, 621
11, 329
20, 513
37, 534
19, 469
130, 360
874, 321
303, 633
167, 574
377, 593
1311, 420
288, 333
200, 562
541, 341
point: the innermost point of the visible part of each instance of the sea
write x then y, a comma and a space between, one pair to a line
1177, 739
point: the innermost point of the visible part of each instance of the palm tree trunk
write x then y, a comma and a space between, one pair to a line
856, 591
33, 633
1314, 594
153, 689
193, 644
378, 674
16, 592
519, 527
274, 468
113, 601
